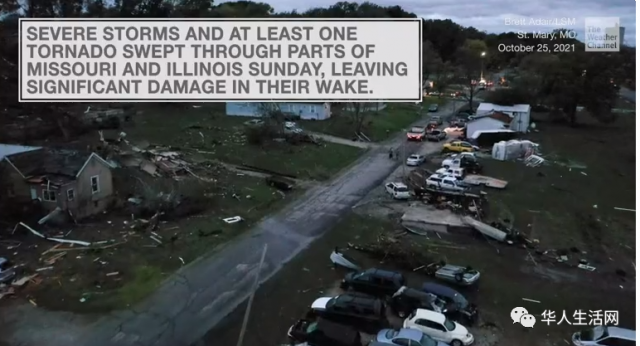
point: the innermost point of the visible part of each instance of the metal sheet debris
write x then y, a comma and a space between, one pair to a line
339, 258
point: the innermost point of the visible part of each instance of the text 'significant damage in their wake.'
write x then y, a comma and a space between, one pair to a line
215, 60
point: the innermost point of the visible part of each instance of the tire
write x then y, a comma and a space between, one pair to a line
402, 314
456, 343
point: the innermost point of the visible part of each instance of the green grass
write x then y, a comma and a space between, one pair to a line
378, 126
221, 137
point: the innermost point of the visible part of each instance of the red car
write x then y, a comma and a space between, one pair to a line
416, 133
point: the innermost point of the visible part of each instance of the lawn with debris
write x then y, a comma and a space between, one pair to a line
378, 125
206, 131
126, 257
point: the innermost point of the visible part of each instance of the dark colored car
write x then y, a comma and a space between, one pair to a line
433, 107
358, 310
373, 281
407, 299
432, 125
323, 333
436, 136
457, 306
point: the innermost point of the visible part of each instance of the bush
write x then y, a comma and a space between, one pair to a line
260, 135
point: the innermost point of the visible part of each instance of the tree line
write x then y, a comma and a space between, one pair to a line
452, 54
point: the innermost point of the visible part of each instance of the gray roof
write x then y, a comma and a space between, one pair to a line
10, 149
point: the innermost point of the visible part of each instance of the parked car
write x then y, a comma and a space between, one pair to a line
445, 182
463, 160
416, 133
431, 125
408, 299
323, 333
457, 173
406, 337
358, 310
7, 272
436, 119
459, 147
458, 123
280, 183
459, 275
415, 160
457, 306
439, 327
436, 135
398, 190
377, 282
604, 335
433, 107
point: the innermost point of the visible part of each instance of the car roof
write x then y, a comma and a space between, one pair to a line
356, 299
622, 333
412, 334
398, 184
438, 289
382, 272
430, 315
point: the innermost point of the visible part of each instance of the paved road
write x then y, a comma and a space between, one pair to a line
201, 294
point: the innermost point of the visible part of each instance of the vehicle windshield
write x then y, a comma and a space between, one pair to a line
390, 334
599, 332
414, 157
331, 302
449, 325
435, 132
417, 130
401, 189
427, 341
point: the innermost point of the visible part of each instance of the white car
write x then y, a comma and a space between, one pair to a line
415, 160
398, 190
454, 159
446, 182
457, 173
438, 327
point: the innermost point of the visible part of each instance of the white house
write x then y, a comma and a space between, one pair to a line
306, 111
520, 115
489, 122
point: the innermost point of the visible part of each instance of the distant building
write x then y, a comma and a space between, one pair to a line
516, 118
306, 111
66, 180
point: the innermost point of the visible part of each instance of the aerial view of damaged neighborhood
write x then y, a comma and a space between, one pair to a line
498, 211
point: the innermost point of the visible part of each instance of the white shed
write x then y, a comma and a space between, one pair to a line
520, 114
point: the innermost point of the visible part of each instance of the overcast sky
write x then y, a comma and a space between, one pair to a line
489, 15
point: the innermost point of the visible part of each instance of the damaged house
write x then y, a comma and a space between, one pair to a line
62, 180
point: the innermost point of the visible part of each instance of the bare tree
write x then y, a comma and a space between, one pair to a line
357, 112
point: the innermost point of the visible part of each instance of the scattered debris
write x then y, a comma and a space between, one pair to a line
533, 161
113, 273
531, 300
485, 229
586, 267
340, 259
78, 242
233, 219
624, 209
43, 269
23, 280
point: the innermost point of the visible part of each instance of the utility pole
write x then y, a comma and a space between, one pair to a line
245, 321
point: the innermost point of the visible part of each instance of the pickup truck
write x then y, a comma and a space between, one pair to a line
445, 182
436, 136
467, 161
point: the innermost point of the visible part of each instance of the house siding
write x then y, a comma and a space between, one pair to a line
86, 202
306, 111
483, 124
17, 183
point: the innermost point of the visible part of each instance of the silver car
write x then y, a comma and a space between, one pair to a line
603, 335
415, 160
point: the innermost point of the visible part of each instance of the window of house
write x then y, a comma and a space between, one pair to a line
49, 195
71, 194
95, 184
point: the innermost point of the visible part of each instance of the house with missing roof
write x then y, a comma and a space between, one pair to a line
68, 181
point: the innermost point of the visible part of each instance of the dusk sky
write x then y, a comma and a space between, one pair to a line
489, 15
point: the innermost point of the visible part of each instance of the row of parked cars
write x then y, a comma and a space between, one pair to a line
433, 315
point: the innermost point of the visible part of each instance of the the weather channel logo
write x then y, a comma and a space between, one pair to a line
602, 34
